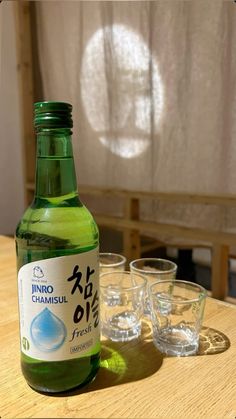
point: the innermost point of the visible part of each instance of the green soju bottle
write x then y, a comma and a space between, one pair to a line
58, 274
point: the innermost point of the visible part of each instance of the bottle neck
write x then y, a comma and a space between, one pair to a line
55, 169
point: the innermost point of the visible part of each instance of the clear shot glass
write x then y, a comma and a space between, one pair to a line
122, 304
153, 269
177, 309
111, 262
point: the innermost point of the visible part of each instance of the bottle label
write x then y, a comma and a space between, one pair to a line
59, 307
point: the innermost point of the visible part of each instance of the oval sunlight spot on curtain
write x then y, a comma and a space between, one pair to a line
122, 91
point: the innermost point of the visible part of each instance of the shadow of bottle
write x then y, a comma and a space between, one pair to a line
125, 362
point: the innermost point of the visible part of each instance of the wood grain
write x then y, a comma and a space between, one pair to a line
26, 86
209, 236
220, 271
226, 200
131, 238
135, 380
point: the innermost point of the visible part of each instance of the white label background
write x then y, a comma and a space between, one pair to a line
56, 272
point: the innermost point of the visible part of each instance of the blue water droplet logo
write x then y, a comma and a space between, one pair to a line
48, 332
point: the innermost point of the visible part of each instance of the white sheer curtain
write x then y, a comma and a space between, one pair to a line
153, 85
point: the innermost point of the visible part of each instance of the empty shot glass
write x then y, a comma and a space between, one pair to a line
153, 269
177, 310
111, 262
122, 304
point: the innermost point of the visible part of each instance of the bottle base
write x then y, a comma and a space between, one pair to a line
51, 392
60, 377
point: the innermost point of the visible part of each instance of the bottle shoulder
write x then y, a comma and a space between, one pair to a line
34, 214
75, 225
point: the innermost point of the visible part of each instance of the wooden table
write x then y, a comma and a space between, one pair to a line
135, 380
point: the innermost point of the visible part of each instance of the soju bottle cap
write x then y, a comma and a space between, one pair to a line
52, 115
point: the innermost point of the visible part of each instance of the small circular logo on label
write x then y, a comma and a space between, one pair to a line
37, 272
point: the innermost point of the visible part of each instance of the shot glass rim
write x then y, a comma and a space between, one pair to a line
112, 264
147, 271
143, 285
202, 291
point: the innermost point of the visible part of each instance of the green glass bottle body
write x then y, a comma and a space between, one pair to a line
55, 226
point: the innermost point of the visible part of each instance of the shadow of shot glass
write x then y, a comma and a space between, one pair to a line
212, 341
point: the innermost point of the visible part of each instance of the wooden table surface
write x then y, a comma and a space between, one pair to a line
135, 380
